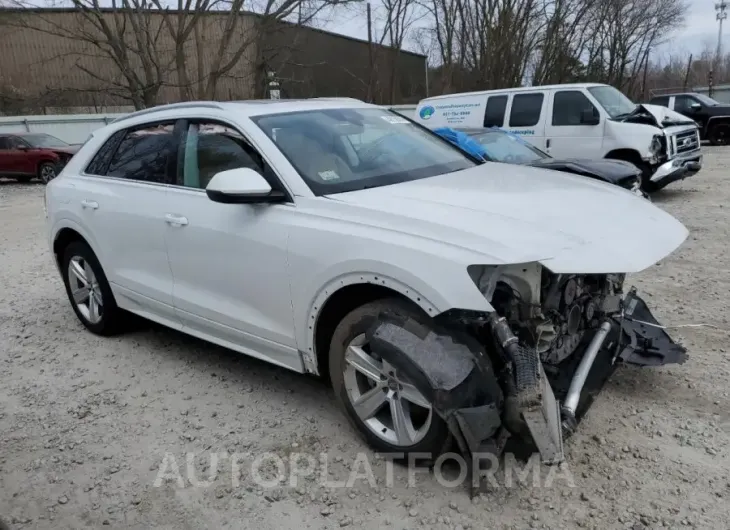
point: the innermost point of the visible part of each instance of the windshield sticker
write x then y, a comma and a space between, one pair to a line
395, 119
328, 175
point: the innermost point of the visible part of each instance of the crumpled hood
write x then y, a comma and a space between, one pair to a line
613, 171
666, 117
518, 214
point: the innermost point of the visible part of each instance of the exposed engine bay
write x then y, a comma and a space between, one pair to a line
567, 306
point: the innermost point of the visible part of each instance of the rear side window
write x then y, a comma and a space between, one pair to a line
494, 114
103, 156
525, 110
146, 154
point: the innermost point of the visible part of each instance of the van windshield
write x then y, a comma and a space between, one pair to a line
613, 101
340, 150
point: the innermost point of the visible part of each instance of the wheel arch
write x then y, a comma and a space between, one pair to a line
340, 297
65, 233
629, 155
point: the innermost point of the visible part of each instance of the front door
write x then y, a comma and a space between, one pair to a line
574, 127
229, 260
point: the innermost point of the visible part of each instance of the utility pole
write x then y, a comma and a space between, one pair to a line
721, 14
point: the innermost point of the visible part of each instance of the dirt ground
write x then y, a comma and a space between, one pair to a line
88, 425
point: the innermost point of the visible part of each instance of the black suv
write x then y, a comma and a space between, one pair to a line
712, 117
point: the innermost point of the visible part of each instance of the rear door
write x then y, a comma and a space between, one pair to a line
121, 199
526, 116
570, 132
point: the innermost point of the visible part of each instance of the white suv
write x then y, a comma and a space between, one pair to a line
289, 230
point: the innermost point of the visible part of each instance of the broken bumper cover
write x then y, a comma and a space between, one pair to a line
453, 371
677, 169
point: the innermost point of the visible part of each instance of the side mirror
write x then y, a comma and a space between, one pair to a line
241, 186
695, 107
590, 117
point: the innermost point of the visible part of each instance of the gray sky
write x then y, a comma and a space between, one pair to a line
700, 29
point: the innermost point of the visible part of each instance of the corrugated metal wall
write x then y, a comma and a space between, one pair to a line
44, 68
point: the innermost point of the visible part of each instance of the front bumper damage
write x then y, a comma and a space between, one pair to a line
525, 399
678, 168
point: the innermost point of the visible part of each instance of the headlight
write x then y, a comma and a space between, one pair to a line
657, 144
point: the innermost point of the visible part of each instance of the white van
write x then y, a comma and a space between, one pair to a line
585, 120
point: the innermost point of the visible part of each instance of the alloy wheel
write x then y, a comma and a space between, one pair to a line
385, 401
48, 173
85, 289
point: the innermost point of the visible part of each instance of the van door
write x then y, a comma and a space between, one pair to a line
574, 126
527, 117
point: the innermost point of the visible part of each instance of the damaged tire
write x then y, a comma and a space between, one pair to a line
383, 406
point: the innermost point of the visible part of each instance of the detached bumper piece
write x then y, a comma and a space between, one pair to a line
646, 342
451, 371
676, 169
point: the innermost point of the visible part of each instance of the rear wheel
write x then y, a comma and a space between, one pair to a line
719, 134
383, 406
88, 290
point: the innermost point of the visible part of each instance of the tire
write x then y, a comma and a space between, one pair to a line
432, 434
46, 172
719, 134
107, 319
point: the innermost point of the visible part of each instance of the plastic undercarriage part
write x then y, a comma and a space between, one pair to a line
455, 371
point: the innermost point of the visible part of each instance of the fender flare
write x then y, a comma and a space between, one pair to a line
59, 225
709, 121
309, 355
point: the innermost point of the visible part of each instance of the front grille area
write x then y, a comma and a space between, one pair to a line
687, 141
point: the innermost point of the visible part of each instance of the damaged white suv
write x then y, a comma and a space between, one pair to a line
444, 298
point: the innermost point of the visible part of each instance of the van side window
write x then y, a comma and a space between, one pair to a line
494, 115
569, 106
525, 110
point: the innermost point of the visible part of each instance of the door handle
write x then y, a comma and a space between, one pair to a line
93, 205
547, 143
175, 220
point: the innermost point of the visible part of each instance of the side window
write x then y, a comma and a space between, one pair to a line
684, 103
494, 114
569, 106
4, 144
211, 148
146, 154
100, 162
526, 110
661, 100
15, 143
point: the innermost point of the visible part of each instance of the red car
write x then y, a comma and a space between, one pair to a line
24, 156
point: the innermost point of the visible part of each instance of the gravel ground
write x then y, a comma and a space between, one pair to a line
88, 425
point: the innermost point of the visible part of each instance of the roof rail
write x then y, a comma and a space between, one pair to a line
170, 106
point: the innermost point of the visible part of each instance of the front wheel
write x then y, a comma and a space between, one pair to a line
46, 172
719, 134
383, 406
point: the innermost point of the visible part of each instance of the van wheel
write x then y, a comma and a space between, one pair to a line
386, 410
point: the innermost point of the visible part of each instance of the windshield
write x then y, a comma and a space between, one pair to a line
339, 150
44, 140
706, 100
612, 100
504, 147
